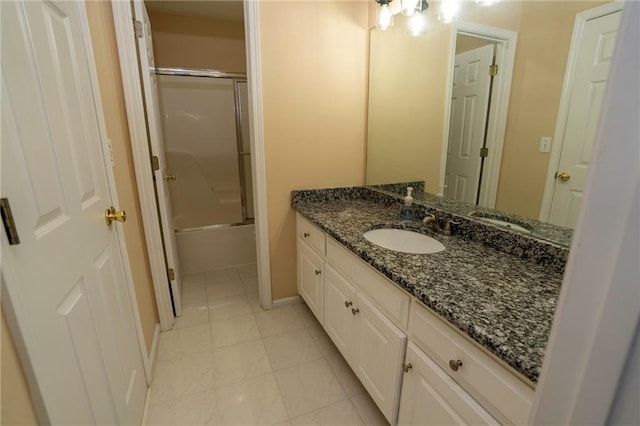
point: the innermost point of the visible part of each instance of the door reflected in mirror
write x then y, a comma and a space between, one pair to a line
519, 141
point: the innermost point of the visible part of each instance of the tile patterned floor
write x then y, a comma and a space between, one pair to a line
228, 362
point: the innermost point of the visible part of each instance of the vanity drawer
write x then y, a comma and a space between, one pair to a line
499, 390
392, 301
311, 234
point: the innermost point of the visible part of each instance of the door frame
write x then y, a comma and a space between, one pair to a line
136, 117
598, 315
7, 274
499, 103
565, 98
130, 69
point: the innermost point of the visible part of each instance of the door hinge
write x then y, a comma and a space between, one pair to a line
493, 70
484, 152
9, 224
155, 163
137, 27
172, 274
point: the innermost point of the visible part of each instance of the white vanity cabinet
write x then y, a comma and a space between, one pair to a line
339, 298
451, 379
378, 351
310, 266
485, 378
431, 397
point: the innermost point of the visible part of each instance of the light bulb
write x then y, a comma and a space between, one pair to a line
449, 10
409, 7
385, 17
417, 24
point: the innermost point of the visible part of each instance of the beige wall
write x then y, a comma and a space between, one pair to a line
189, 42
544, 34
15, 407
108, 65
314, 73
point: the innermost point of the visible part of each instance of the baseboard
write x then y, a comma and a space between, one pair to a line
153, 357
293, 300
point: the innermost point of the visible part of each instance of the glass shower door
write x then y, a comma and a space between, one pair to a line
244, 148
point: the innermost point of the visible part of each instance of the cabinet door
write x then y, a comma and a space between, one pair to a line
431, 397
339, 300
378, 353
310, 271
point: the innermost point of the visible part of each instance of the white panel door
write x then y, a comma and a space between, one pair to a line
469, 103
65, 282
310, 267
339, 299
431, 397
595, 52
378, 353
148, 76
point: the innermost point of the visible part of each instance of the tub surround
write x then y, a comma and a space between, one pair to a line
503, 302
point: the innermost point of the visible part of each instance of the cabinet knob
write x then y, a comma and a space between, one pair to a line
347, 303
318, 271
406, 367
455, 364
354, 311
306, 234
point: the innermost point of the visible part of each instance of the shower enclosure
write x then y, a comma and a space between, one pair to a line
208, 154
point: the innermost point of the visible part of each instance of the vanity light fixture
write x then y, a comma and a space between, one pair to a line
412, 8
418, 21
385, 15
487, 2
449, 11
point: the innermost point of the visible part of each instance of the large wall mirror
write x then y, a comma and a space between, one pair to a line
498, 109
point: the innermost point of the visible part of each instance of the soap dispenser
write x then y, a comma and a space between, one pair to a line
408, 212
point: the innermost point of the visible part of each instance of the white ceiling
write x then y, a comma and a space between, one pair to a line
220, 10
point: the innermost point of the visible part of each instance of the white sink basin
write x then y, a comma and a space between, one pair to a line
403, 241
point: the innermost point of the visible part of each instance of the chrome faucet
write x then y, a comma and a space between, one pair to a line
431, 221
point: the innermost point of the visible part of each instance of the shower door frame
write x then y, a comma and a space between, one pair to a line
236, 77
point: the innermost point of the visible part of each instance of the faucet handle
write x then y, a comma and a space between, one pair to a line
447, 227
429, 218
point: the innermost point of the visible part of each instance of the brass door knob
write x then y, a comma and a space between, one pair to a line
355, 311
563, 177
170, 176
407, 367
347, 303
111, 214
318, 271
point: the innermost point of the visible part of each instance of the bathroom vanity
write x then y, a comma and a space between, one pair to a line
452, 337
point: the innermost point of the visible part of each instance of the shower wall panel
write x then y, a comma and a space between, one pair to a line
199, 124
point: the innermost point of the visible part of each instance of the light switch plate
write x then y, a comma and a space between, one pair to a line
545, 144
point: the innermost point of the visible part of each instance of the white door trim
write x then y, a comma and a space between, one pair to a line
256, 125
130, 70
499, 103
598, 309
565, 98
123, 21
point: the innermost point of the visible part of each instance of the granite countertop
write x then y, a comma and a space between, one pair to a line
501, 301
